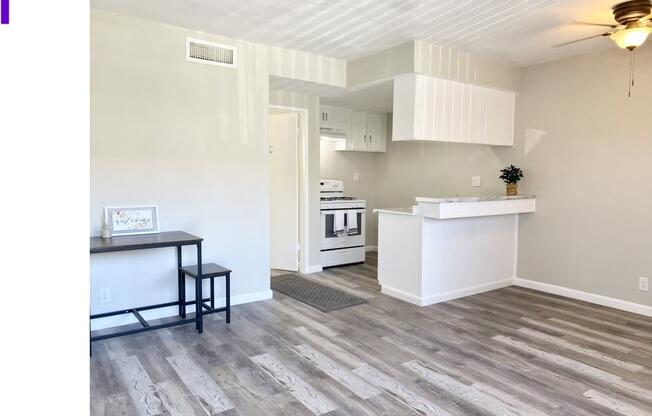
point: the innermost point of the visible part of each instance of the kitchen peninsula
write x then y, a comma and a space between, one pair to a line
447, 248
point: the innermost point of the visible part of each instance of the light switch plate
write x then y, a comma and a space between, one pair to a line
356, 176
475, 181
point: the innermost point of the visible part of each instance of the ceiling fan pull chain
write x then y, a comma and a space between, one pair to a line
630, 81
633, 66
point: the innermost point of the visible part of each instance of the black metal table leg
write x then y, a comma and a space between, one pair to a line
212, 293
181, 282
199, 315
228, 298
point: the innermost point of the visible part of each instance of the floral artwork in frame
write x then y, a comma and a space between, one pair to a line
132, 220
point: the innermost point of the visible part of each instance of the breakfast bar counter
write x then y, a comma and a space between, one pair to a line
447, 248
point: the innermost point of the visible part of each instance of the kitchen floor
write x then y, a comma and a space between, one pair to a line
511, 351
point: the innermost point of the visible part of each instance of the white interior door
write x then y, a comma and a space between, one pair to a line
284, 200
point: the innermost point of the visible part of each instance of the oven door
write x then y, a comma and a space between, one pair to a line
349, 237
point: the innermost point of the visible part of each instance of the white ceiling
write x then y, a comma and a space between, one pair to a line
514, 31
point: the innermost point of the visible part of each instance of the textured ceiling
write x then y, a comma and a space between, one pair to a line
514, 31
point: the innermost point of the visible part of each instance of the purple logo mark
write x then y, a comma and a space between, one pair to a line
4, 12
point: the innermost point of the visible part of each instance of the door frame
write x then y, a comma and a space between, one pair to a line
304, 201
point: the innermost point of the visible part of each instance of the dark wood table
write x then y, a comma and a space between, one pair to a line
176, 239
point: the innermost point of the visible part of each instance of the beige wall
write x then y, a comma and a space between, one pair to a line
191, 138
586, 150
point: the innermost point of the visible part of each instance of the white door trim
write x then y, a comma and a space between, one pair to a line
304, 202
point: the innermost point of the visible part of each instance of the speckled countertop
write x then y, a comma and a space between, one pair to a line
473, 198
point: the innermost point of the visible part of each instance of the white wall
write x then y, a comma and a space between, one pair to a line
586, 150
191, 138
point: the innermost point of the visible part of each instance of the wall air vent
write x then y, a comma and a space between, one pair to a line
204, 52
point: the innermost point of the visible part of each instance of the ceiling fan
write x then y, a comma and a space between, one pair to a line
634, 25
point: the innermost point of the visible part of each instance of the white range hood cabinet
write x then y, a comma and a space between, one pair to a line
441, 110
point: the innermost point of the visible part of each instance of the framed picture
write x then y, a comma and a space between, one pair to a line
132, 220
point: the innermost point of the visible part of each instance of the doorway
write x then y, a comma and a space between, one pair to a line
288, 176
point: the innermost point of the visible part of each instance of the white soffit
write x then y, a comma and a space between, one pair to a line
376, 97
518, 32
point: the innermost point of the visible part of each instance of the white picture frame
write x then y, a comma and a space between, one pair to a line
132, 220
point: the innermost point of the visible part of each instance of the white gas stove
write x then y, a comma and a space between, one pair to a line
342, 225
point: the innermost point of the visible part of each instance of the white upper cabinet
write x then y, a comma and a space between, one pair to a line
335, 121
434, 109
363, 131
376, 132
358, 140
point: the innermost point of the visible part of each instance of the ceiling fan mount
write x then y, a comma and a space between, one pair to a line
631, 11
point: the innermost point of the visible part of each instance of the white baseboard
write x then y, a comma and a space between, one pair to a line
443, 297
371, 248
113, 321
585, 296
408, 297
313, 269
460, 293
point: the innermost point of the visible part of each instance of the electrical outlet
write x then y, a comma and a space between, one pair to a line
105, 295
475, 181
643, 284
356, 176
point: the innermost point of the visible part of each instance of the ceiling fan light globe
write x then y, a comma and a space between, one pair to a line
631, 38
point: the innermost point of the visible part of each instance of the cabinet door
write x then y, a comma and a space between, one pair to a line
335, 118
382, 134
376, 132
322, 117
358, 139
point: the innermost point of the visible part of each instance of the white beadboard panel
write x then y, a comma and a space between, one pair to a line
400, 252
460, 255
425, 261
406, 101
438, 109
445, 210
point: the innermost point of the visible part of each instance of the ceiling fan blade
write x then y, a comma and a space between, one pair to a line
596, 24
580, 40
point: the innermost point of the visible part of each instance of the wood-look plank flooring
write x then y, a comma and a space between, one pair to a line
512, 351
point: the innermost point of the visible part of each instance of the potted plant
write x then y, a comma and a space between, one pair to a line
511, 175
